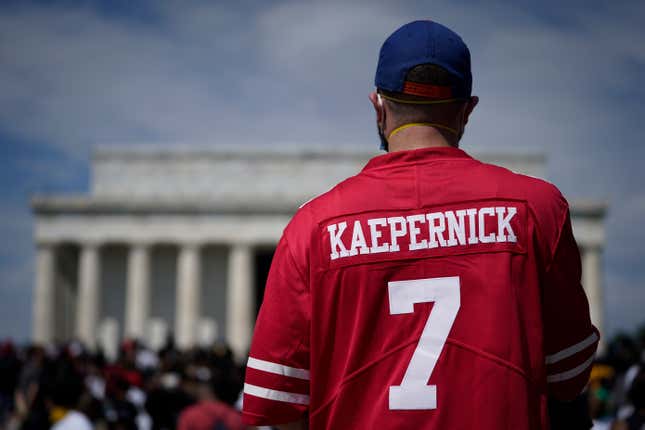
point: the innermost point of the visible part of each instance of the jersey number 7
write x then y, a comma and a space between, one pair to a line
414, 393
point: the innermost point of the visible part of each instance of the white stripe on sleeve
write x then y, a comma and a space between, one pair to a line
571, 373
280, 396
278, 369
568, 352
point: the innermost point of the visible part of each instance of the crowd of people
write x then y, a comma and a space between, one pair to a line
69, 387
616, 391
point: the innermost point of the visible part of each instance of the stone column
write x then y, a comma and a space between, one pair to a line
87, 307
137, 299
188, 294
240, 299
592, 282
44, 294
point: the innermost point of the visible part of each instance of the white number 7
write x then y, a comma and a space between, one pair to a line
414, 393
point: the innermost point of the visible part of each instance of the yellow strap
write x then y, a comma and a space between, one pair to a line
424, 124
419, 102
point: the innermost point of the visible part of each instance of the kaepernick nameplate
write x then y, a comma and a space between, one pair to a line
461, 228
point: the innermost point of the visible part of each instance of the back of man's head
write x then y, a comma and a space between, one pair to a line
408, 108
423, 78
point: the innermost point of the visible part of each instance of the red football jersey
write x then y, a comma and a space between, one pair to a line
430, 291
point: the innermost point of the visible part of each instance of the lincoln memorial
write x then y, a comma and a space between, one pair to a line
179, 240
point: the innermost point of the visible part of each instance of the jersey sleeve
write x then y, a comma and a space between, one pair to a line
276, 387
570, 340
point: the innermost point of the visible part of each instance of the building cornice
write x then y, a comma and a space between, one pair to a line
346, 152
59, 205
589, 208
178, 152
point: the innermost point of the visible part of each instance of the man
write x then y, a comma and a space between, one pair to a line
430, 291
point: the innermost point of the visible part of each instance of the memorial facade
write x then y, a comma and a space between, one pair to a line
179, 240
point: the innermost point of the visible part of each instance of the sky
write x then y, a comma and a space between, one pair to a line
560, 79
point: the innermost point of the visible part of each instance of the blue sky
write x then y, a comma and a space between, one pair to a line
565, 80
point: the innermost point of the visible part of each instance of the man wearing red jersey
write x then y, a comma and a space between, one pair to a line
429, 291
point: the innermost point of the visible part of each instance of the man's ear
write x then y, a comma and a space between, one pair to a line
470, 106
378, 107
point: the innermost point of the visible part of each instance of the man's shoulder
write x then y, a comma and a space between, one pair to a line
207, 411
191, 411
545, 203
537, 192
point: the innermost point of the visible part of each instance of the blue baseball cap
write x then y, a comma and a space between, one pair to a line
424, 42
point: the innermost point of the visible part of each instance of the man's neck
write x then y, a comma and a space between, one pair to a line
420, 136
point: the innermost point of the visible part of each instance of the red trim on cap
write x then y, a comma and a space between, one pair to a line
426, 90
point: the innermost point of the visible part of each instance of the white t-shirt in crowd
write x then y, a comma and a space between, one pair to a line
73, 420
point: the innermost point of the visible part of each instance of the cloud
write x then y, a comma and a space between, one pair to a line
289, 70
104, 80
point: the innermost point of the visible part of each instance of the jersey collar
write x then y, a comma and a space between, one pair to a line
415, 156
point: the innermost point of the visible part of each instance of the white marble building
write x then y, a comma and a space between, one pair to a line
180, 239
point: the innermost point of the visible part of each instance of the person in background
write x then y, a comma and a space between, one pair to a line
64, 388
210, 413
599, 390
9, 372
636, 394
30, 410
